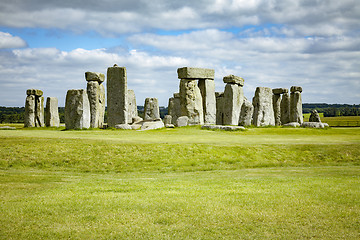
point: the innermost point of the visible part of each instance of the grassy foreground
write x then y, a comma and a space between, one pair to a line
263, 183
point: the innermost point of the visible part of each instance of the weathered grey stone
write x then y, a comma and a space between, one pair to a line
296, 107
169, 125
132, 108
295, 89
174, 107
232, 102
39, 111
207, 89
136, 126
7, 128
234, 80
219, 108
154, 124
29, 116
77, 109
326, 125
285, 108
123, 126
96, 95
221, 127
246, 113
151, 109
263, 107
35, 92
195, 73
314, 116
182, 121
52, 112
277, 108
292, 124
312, 125
167, 119
191, 102
95, 76
117, 100
280, 90
136, 119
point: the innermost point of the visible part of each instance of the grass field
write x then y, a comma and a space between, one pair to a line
183, 183
343, 121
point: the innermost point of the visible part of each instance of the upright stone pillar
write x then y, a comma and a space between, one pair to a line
314, 116
277, 104
151, 109
132, 108
233, 99
52, 112
263, 107
96, 95
34, 108
285, 108
117, 99
246, 113
219, 107
29, 117
296, 105
77, 109
174, 107
191, 97
207, 89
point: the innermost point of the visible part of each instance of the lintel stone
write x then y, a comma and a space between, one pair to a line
95, 76
35, 92
278, 91
295, 89
232, 79
196, 73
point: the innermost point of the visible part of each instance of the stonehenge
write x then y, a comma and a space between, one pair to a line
52, 112
296, 105
233, 99
96, 94
263, 107
77, 109
34, 108
151, 109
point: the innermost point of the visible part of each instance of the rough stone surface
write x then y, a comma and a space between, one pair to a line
7, 128
234, 80
314, 116
195, 73
191, 102
136, 126
219, 108
77, 109
52, 112
174, 107
132, 108
277, 108
280, 90
326, 125
182, 121
151, 109
96, 95
169, 125
232, 102
123, 126
246, 113
167, 119
154, 124
35, 92
136, 119
263, 107
296, 107
95, 76
295, 89
285, 108
117, 100
39, 111
292, 124
29, 116
312, 125
207, 89
221, 127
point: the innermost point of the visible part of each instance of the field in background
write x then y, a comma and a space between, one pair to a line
342, 121
182, 183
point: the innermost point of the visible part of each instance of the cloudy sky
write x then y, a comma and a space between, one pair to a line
50, 44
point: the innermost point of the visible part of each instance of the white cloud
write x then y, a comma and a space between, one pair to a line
9, 41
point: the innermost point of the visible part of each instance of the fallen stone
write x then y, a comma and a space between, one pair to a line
263, 107
207, 89
169, 125
292, 124
151, 109
29, 115
123, 126
232, 102
35, 92
77, 109
7, 128
167, 119
195, 73
191, 102
136, 126
326, 125
314, 116
222, 127
150, 125
312, 125
95, 76
280, 90
52, 112
295, 89
182, 121
246, 113
234, 80
136, 119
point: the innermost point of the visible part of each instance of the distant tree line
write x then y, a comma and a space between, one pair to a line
333, 110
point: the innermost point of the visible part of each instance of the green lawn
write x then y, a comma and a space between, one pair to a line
183, 183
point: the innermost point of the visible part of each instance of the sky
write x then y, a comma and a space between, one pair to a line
50, 44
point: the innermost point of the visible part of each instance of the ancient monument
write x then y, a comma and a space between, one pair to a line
52, 112
232, 100
263, 107
96, 94
77, 109
151, 109
296, 105
34, 108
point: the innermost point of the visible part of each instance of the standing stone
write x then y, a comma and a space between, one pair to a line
167, 119
174, 107
219, 108
132, 108
29, 117
296, 105
263, 107
96, 95
314, 116
285, 108
277, 104
52, 112
151, 109
117, 100
207, 89
233, 99
39, 112
191, 102
77, 109
246, 113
